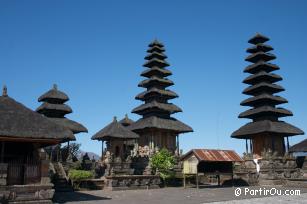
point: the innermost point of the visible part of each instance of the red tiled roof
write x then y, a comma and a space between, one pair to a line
214, 155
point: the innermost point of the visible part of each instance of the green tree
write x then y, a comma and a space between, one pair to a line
163, 161
73, 150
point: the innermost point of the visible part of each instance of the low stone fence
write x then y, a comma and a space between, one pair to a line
130, 182
27, 193
89, 184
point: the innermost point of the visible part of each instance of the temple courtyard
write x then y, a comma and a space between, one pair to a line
178, 195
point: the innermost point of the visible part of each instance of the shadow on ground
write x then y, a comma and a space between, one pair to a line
75, 197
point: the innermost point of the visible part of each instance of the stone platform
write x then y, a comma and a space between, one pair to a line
131, 182
39, 194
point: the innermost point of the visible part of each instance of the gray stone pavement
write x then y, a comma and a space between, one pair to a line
180, 196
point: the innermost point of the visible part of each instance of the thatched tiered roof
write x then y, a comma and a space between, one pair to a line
19, 123
299, 147
156, 110
126, 121
54, 108
114, 130
262, 89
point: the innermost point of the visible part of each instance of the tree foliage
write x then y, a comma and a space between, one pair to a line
73, 150
164, 162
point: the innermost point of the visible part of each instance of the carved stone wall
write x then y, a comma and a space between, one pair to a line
130, 182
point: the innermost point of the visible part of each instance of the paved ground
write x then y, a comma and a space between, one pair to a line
180, 195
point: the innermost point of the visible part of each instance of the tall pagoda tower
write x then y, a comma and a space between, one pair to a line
266, 131
55, 109
156, 127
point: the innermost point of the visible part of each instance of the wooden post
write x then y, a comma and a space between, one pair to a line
284, 146
102, 149
2, 151
177, 143
273, 144
288, 146
68, 149
251, 146
152, 141
184, 180
246, 146
218, 180
51, 153
197, 186
232, 179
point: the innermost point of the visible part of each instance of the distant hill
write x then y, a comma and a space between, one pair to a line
90, 154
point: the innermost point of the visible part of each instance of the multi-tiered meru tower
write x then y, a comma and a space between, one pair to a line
55, 109
156, 127
266, 131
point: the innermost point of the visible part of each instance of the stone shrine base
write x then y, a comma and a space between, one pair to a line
36, 193
297, 183
132, 182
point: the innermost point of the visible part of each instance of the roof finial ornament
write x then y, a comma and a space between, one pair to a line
114, 119
4, 91
55, 87
126, 116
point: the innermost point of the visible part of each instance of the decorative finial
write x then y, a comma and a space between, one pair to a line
55, 87
126, 116
114, 119
4, 91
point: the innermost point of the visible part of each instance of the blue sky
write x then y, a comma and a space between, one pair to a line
94, 51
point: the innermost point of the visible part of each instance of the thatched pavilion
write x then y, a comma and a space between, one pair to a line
54, 108
126, 121
266, 131
24, 168
120, 141
156, 127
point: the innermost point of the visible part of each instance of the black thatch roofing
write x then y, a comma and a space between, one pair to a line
156, 71
167, 107
264, 99
266, 126
55, 109
299, 147
262, 76
168, 94
171, 124
156, 81
259, 47
114, 130
126, 121
263, 87
70, 124
260, 66
19, 122
260, 56
155, 62
54, 95
258, 38
264, 112
155, 49
156, 43
47, 107
155, 54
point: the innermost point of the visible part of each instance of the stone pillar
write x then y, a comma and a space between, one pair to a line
3, 174
45, 179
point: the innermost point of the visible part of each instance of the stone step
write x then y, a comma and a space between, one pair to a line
64, 189
32, 202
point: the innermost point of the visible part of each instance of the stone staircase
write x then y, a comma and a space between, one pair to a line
61, 181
